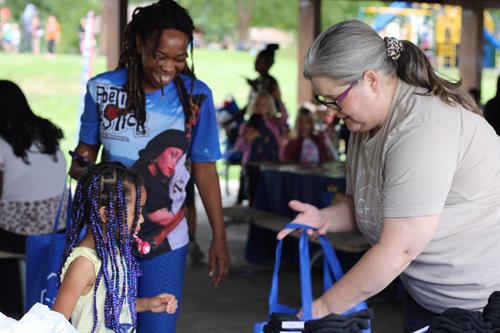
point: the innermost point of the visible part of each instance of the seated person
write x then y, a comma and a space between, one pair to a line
32, 177
230, 118
308, 147
259, 139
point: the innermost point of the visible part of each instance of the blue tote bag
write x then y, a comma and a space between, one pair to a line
44, 254
331, 270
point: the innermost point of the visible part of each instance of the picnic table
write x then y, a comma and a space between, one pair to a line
278, 184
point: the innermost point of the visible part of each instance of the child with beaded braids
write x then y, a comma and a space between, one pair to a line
99, 278
154, 114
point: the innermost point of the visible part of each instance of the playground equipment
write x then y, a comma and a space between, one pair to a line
435, 28
490, 42
448, 30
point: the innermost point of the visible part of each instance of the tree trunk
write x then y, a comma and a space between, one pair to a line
245, 8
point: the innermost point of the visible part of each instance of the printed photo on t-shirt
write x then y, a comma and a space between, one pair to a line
161, 166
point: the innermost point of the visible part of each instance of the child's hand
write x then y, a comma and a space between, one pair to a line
162, 303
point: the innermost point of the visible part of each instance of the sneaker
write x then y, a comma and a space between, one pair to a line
195, 253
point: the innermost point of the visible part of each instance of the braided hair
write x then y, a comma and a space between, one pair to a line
108, 185
147, 22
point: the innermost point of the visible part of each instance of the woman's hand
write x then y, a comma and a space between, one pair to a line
218, 261
87, 157
319, 309
162, 303
207, 182
308, 215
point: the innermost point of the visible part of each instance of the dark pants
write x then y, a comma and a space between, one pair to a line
51, 46
11, 302
415, 316
252, 175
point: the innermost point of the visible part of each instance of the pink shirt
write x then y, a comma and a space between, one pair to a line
246, 147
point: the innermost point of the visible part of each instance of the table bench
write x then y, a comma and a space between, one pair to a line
342, 241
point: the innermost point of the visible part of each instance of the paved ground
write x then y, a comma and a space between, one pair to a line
242, 299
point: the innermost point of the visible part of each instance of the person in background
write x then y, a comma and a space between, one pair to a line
81, 33
308, 147
27, 16
259, 140
265, 81
32, 179
52, 34
492, 110
230, 118
36, 34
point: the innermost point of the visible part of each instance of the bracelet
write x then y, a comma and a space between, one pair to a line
79, 159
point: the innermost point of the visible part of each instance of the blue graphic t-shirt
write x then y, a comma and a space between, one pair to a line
158, 151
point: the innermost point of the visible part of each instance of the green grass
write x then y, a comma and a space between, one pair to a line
53, 89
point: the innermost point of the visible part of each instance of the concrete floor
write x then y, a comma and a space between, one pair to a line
241, 300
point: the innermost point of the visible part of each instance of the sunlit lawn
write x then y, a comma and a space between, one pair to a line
53, 86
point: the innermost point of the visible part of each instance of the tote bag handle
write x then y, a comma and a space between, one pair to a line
305, 275
59, 209
331, 270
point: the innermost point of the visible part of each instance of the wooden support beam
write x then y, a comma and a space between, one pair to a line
309, 29
114, 17
471, 45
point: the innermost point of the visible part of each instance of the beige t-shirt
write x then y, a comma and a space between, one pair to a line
430, 158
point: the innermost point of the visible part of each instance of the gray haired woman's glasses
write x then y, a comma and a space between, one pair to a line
335, 104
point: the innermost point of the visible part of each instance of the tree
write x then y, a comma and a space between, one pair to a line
245, 8
216, 18
279, 14
334, 11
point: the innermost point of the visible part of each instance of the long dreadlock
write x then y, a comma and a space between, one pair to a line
108, 185
147, 22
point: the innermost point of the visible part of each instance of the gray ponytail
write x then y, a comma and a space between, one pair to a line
349, 48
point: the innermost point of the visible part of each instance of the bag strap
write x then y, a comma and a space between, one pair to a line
331, 271
69, 206
59, 208
332, 268
331, 260
305, 273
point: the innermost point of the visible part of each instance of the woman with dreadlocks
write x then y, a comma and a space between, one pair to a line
99, 278
153, 91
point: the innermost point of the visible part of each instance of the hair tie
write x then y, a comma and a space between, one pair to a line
393, 47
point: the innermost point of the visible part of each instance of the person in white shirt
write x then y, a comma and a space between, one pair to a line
32, 178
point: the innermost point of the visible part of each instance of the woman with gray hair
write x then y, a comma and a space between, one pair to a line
423, 177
